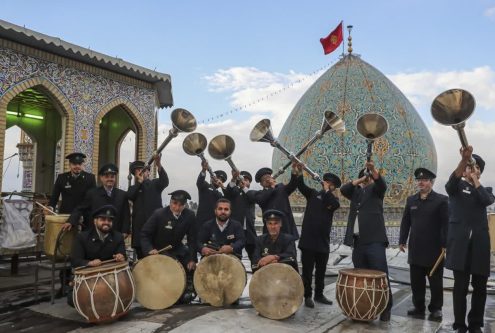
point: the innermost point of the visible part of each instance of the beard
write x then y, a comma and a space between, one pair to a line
223, 217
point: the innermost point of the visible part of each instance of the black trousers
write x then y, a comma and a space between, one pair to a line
418, 276
372, 256
311, 260
478, 299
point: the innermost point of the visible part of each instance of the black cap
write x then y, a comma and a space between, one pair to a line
423, 173
136, 165
108, 168
247, 175
221, 175
480, 162
332, 178
261, 172
273, 214
180, 195
105, 211
361, 173
76, 158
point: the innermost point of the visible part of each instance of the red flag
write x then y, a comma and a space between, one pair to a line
332, 41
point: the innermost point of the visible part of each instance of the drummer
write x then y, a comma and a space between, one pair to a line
221, 234
274, 246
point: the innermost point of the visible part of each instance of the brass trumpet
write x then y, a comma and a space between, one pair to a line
371, 126
262, 132
194, 144
222, 147
331, 123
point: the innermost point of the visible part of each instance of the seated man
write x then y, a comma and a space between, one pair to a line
221, 234
274, 246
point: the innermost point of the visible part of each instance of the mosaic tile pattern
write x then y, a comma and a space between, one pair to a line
87, 93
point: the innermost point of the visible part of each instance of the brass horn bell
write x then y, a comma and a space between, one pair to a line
372, 126
222, 147
194, 144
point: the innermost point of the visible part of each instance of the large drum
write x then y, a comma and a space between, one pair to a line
160, 281
491, 229
220, 279
362, 294
276, 291
53, 226
103, 293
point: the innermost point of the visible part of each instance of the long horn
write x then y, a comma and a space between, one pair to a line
194, 144
222, 147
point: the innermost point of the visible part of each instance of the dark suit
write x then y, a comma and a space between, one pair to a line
284, 247
146, 198
242, 206
232, 235
315, 235
278, 198
208, 197
468, 247
424, 222
88, 246
97, 197
72, 189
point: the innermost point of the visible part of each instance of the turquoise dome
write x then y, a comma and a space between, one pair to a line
352, 88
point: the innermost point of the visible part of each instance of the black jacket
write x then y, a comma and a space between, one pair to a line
367, 205
318, 218
468, 224
87, 246
146, 198
425, 223
72, 189
284, 246
232, 235
278, 198
242, 206
163, 229
207, 198
97, 197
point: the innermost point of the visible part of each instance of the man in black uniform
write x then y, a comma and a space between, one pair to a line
315, 234
366, 225
106, 194
72, 185
208, 194
221, 234
274, 246
276, 196
468, 240
242, 200
425, 222
146, 196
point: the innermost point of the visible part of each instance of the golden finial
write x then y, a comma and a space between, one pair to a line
349, 39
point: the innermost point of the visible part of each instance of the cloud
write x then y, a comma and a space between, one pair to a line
490, 12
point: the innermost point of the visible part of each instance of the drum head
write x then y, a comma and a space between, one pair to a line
361, 272
101, 269
220, 279
160, 281
276, 291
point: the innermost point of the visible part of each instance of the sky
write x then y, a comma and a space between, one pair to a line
223, 54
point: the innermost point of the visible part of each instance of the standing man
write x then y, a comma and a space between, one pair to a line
242, 199
221, 234
366, 225
72, 185
468, 240
146, 197
276, 196
208, 194
424, 222
315, 234
106, 194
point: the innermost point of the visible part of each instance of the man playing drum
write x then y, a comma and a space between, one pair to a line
208, 194
366, 225
274, 246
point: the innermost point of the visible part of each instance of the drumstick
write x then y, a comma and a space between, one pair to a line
166, 248
439, 260
45, 207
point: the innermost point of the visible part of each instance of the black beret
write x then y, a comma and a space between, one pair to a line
180, 195
480, 162
136, 165
332, 178
423, 173
261, 172
76, 158
221, 174
273, 214
105, 211
108, 168
247, 175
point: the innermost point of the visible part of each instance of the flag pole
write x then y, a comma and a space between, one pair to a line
349, 39
343, 46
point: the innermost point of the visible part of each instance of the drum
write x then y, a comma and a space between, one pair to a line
276, 291
362, 294
103, 293
53, 225
160, 281
220, 279
491, 229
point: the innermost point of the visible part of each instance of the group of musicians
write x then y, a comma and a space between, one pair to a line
432, 224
